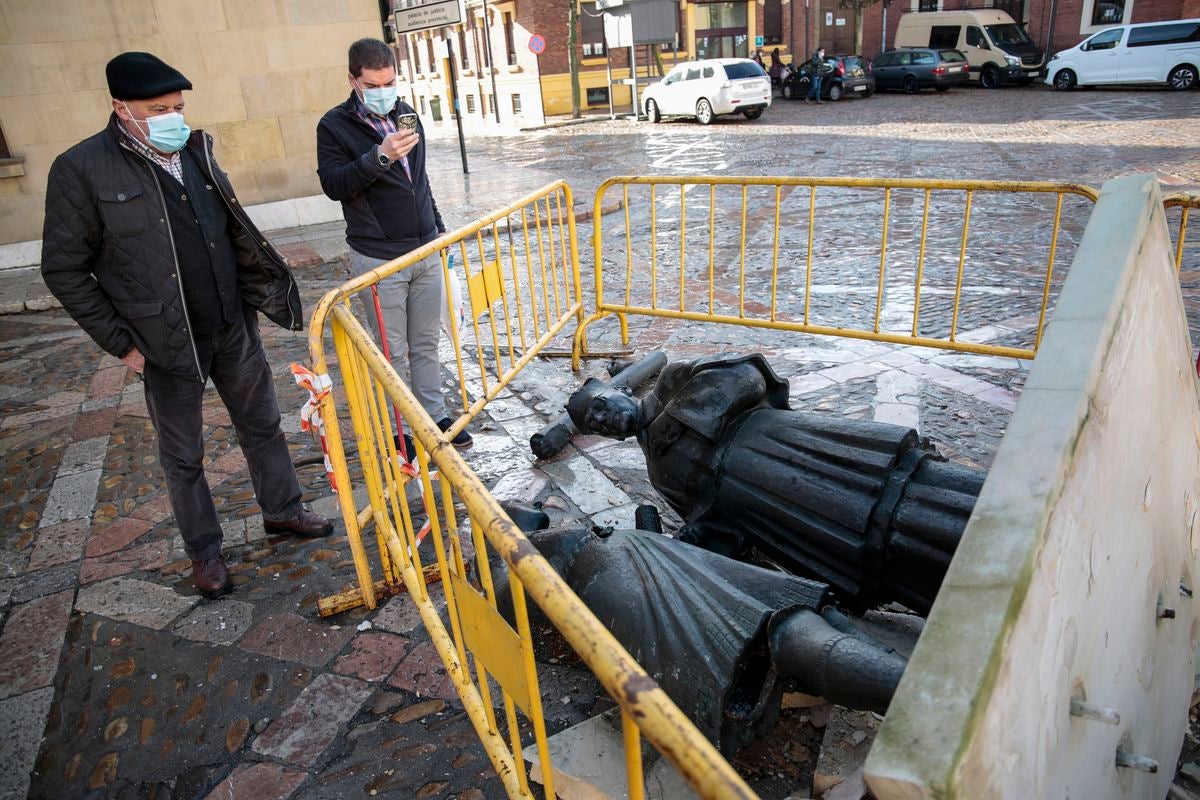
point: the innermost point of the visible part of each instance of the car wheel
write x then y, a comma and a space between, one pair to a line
1182, 77
704, 112
652, 112
788, 92
1064, 80
942, 89
836, 92
753, 113
909, 84
989, 78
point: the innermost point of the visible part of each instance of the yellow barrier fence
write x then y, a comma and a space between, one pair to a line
510, 273
1185, 202
691, 248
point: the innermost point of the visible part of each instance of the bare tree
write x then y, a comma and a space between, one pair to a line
858, 6
573, 54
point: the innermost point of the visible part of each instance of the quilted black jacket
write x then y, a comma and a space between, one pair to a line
387, 215
109, 257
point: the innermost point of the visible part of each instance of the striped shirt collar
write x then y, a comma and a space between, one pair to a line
173, 164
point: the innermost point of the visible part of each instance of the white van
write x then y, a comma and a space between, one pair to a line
1149, 52
997, 48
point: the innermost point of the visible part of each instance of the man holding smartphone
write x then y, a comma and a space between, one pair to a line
371, 158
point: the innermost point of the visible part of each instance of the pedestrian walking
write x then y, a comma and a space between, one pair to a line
375, 166
148, 249
776, 70
817, 69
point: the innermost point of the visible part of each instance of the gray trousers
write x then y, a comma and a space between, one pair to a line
411, 302
237, 365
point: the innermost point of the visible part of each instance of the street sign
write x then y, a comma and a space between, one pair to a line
758, 41
537, 44
419, 15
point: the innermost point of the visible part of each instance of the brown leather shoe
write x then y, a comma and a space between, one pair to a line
211, 577
306, 523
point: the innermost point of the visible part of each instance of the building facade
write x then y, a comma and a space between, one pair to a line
1053, 24
517, 88
263, 70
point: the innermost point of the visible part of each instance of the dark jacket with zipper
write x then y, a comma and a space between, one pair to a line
110, 257
387, 215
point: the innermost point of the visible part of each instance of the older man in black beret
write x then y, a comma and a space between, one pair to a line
148, 249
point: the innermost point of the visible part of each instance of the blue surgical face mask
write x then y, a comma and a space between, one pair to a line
380, 101
167, 133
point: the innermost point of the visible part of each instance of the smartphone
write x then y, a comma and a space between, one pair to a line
407, 121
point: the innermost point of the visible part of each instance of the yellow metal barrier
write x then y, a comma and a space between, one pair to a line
1185, 202
659, 280
522, 284
479, 648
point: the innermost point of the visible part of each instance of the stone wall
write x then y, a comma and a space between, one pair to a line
1085, 532
263, 72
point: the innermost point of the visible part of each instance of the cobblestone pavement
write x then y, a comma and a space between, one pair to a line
118, 680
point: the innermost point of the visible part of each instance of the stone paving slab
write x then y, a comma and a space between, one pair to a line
220, 622
258, 782
31, 642
290, 637
18, 716
132, 600
301, 735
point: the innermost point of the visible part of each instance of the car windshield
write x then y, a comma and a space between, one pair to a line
953, 55
1008, 34
853, 63
744, 70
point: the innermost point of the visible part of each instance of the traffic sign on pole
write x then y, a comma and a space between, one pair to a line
537, 44
419, 15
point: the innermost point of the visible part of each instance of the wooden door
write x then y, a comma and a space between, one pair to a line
835, 38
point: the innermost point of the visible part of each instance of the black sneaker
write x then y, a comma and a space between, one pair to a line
409, 453
462, 441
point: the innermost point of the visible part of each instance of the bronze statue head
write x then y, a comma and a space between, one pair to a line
605, 410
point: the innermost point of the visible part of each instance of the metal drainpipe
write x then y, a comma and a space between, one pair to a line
1049, 51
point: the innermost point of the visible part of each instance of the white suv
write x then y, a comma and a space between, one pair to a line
706, 89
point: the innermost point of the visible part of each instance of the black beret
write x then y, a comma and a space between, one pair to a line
138, 76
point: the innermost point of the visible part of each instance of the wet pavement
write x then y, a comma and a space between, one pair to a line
118, 680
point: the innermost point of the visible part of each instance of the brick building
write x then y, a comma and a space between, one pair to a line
1053, 24
524, 88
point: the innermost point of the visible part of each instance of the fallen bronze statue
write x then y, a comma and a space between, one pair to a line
724, 639
864, 506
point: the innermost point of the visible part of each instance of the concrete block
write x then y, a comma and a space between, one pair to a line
844, 748
589, 764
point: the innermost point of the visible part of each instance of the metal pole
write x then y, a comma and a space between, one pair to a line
883, 29
487, 43
462, 144
633, 81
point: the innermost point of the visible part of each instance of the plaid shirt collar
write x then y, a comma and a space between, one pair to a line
173, 164
384, 126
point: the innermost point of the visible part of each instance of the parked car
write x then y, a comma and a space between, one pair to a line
1150, 52
997, 48
916, 68
850, 76
709, 88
